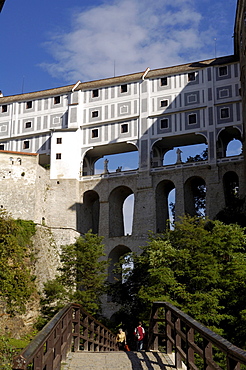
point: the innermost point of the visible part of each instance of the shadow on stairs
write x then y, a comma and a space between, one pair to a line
151, 360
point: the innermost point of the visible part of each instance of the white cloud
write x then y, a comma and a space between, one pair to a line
133, 35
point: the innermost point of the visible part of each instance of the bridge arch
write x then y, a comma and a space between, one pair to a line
195, 196
91, 209
116, 218
114, 257
162, 192
231, 187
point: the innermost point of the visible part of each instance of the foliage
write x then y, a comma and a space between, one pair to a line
81, 277
200, 266
6, 353
234, 212
199, 157
16, 279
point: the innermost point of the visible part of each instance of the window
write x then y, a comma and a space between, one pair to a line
58, 155
164, 123
58, 140
57, 100
164, 81
224, 113
192, 76
123, 88
124, 128
1, 146
192, 118
4, 108
94, 133
223, 71
94, 114
28, 104
164, 103
95, 93
26, 144
28, 124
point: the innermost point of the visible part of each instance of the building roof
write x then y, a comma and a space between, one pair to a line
120, 79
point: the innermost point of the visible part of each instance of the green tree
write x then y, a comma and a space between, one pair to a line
81, 277
200, 266
16, 278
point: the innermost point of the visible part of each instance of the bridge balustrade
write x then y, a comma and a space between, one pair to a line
71, 329
191, 343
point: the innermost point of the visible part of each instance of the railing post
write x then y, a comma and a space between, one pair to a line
232, 364
153, 329
207, 354
169, 332
189, 351
86, 333
178, 360
75, 329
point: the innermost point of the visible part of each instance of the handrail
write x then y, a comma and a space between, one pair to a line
187, 337
71, 329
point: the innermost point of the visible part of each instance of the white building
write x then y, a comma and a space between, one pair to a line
152, 112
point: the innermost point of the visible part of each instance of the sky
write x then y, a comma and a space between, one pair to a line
50, 43
47, 44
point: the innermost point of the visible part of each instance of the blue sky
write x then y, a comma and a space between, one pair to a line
47, 43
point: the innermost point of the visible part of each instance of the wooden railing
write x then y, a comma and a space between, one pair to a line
72, 329
191, 343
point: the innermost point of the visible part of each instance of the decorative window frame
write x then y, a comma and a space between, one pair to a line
224, 109
162, 120
192, 99
223, 68
124, 128
189, 119
94, 133
164, 103
225, 96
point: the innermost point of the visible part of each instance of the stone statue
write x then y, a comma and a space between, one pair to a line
106, 166
178, 152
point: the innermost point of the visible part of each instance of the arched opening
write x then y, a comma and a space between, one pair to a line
178, 149
188, 153
113, 157
163, 200
116, 219
128, 208
234, 147
114, 257
117, 162
228, 135
195, 196
231, 187
90, 210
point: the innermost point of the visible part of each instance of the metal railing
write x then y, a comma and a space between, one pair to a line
71, 329
191, 343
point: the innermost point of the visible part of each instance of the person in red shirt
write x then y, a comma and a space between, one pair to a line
139, 333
